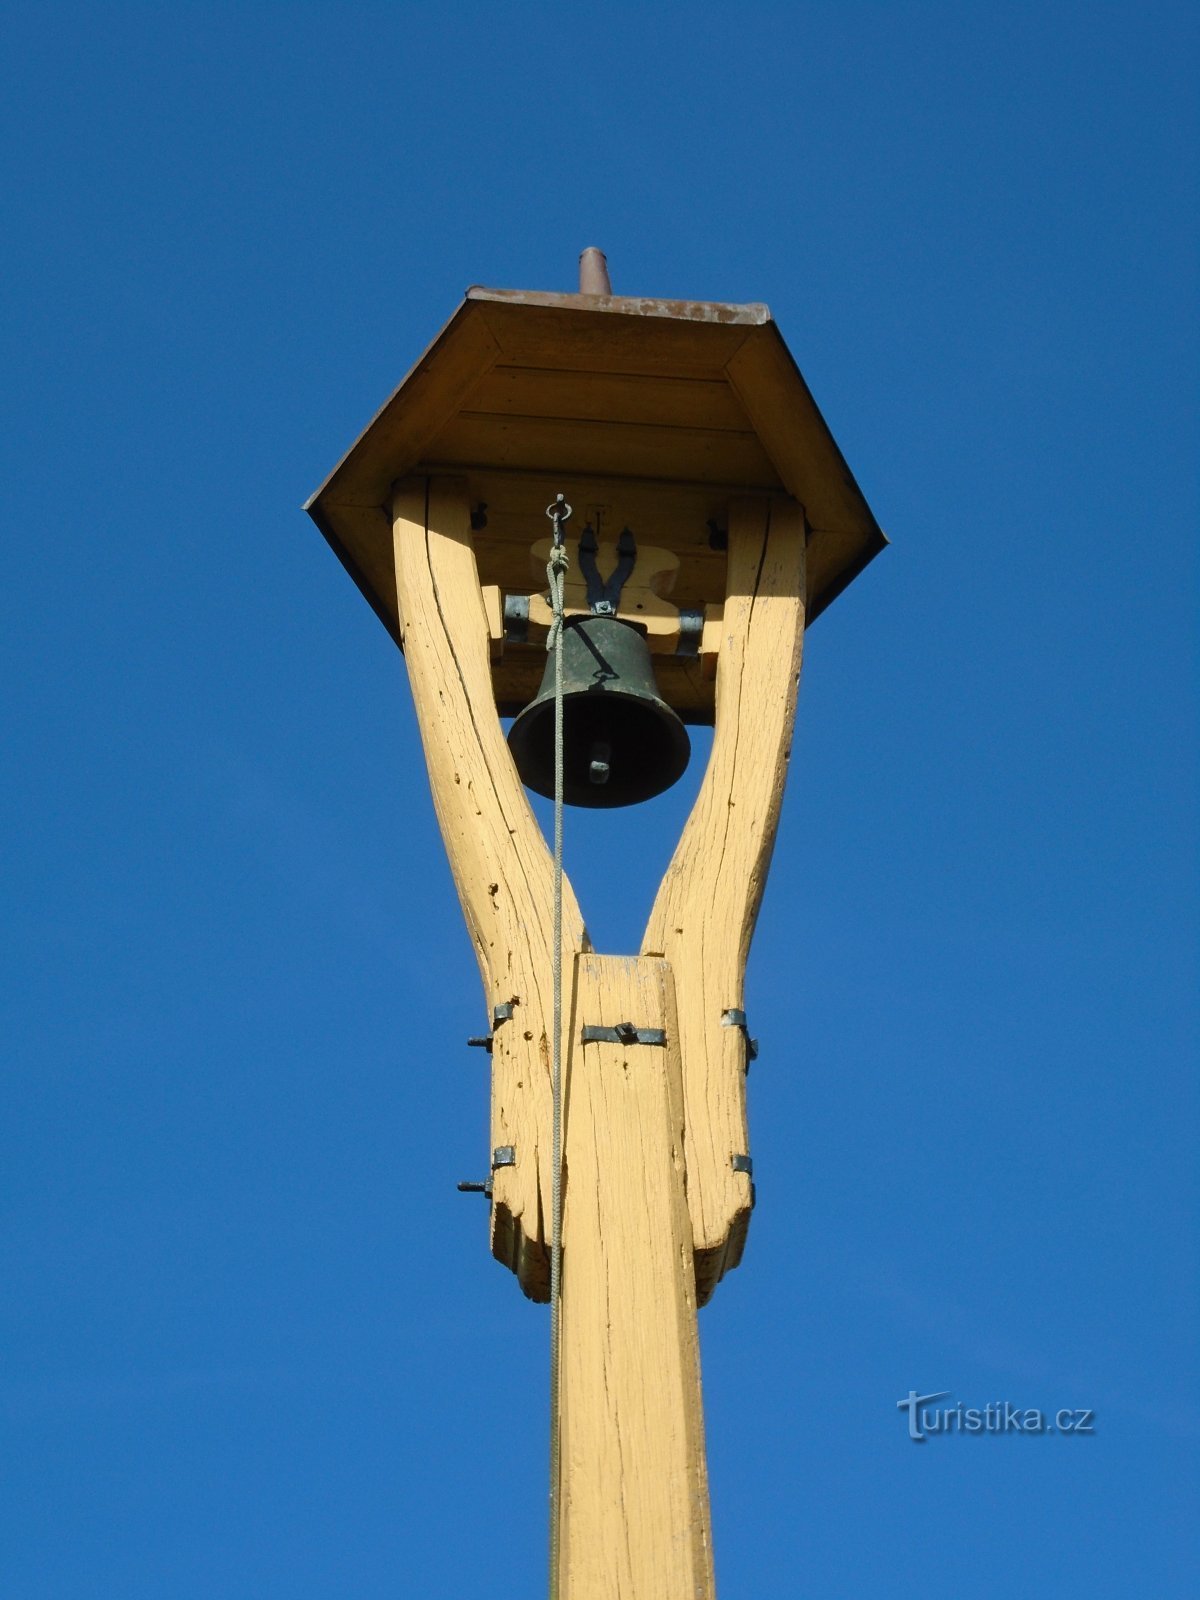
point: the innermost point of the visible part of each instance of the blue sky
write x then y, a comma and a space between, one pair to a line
253, 1343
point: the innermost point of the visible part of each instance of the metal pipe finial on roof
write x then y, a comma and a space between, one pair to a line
593, 272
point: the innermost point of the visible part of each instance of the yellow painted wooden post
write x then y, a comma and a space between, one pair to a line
689, 424
634, 1488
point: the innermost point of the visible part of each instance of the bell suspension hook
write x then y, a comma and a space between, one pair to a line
557, 566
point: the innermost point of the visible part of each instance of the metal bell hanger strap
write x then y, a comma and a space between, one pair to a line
604, 597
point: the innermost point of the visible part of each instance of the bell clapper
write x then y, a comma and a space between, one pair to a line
598, 771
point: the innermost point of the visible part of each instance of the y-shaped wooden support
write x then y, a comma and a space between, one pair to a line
703, 917
502, 869
657, 1195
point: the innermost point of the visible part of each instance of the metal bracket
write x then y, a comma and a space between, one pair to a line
516, 618
691, 632
504, 1155
623, 1033
500, 1013
735, 1017
744, 1164
604, 596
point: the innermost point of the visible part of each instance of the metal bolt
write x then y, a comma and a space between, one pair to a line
500, 1013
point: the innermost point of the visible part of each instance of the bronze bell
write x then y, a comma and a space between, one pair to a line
621, 742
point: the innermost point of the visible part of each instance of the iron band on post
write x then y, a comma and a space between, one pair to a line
623, 1033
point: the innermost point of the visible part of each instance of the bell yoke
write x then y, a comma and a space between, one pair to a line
622, 743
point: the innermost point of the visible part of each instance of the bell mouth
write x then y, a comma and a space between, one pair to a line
621, 743
612, 755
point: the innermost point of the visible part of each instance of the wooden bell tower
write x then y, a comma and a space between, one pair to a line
687, 427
